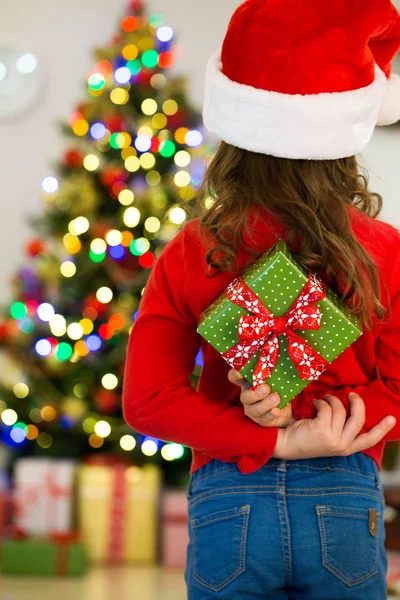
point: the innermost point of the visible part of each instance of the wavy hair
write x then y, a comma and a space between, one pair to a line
310, 199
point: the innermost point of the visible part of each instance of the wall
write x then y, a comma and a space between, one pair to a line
62, 35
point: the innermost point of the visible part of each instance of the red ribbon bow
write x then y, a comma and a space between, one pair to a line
261, 331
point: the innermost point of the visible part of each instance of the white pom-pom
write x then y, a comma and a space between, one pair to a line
390, 109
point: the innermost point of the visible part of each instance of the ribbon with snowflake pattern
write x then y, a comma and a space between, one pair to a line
261, 331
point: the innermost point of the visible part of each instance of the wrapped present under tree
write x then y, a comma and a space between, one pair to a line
279, 324
56, 556
118, 508
44, 495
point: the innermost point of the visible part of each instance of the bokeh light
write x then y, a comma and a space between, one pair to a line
91, 162
113, 237
21, 390
119, 96
9, 417
50, 184
102, 429
149, 447
126, 197
182, 158
165, 33
68, 268
122, 75
44, 440
182, 179
171, 452
170, 107
143, 143
43, 347
152, 224
93, 342
45, 312
58, 325
27, 63
127, 442
177, 215
75, 331
79, 226
131, 216
98, 131
104, 295
98, 246
109, 381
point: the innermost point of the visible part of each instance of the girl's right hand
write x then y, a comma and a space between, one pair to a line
330, 433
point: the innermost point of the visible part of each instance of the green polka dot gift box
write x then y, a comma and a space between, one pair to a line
279, 324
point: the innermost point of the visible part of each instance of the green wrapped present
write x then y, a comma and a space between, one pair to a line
33, 557
279, 324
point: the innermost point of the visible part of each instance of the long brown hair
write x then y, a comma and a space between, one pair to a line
310, 199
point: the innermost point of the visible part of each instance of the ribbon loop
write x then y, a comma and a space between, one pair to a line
260, 331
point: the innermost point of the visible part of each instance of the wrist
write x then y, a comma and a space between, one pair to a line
280, 446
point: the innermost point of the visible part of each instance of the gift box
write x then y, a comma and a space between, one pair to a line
279, 324
43, 496
118, 509
5, 504
60, 557
175, 535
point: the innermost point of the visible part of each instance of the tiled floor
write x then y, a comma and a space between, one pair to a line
126, 583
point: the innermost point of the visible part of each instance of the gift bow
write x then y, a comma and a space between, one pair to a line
261, 330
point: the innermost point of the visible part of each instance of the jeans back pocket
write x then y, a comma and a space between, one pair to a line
350, 542
219, 545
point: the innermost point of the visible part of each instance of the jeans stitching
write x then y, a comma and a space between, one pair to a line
195, 502
280, 518
290, 492
325, 560
354, 471
242, 567
232, 516
328, 512
288, 539
340, 494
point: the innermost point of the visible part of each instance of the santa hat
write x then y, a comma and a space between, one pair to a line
306, 78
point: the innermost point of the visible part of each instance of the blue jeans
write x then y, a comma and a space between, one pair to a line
299, 529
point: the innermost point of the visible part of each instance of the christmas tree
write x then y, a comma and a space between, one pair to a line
134, 160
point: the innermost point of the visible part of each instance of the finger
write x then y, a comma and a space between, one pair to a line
375, 435
249, 397
259, 409
356, 420
285, 412
236, 378
339, 414
324, 412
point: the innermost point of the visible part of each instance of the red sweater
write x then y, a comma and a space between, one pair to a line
158, 399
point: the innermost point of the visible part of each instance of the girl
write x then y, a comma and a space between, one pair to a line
283, 503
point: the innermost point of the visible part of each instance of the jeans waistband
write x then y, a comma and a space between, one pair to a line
358, 462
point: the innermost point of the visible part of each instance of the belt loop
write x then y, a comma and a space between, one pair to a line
282, 465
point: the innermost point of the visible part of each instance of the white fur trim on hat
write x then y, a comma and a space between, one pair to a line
390, 109
316, 126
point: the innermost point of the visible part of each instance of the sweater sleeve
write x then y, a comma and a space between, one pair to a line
382, 396
158, 398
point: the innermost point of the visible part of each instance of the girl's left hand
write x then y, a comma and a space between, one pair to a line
260, 405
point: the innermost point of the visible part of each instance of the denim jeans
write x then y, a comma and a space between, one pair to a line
300, 529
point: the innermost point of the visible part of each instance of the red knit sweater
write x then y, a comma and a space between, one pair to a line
158, 399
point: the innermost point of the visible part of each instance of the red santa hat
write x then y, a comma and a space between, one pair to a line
305, 79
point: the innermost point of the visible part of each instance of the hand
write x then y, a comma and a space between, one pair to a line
260, 405
329, 433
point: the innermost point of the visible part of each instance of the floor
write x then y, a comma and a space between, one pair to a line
125, 583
